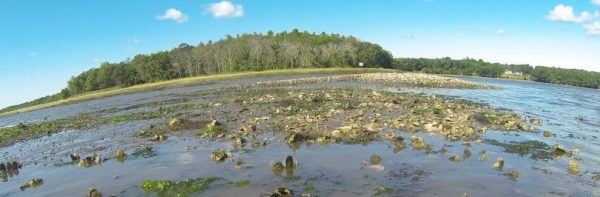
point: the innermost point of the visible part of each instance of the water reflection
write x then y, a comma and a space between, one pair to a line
8, 170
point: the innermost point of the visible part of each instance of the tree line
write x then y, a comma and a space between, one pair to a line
472, 67
246, 52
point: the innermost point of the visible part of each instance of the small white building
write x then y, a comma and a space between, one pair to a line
361, 64
510, 72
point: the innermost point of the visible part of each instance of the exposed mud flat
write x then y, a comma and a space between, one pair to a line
425, 145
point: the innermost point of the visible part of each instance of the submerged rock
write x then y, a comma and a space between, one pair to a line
31, 184
90, 161
467, 153
455, 158
573, 167
558, 150
548, 134
94, 193
280, 192
483, 155
220, 155
239, 164
499, 164
513, 175
2, 167
277, 168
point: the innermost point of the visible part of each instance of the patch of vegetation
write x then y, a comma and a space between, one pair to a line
381, 190
146, 151
178, 188
308, 187
536, 149
291, 178
241, 183
212, 131
22, 132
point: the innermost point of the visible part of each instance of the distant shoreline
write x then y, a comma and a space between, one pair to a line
191, 81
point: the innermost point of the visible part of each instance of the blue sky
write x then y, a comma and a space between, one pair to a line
44, 43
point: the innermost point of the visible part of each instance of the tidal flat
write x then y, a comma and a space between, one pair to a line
383, 134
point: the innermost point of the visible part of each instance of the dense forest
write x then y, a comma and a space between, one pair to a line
287, 50
246, 52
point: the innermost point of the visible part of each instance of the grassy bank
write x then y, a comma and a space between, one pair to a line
191, 81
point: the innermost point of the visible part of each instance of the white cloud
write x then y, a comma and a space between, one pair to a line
564, 13
174, 14
500, 32
33, 53
597, 2
226, 9
135, 41
592, 28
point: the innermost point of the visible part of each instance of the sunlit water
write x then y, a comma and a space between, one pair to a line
333, 169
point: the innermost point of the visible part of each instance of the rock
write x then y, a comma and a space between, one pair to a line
12, 166
120, 154
444, 150
418, 143
596, 176
249, 129
548, 134
239, 142
96, 159
213, 123
483, 155
175, 122
375, 159
282, 192
289, 162
295, 137
2, 167
74, 157
499, 164
220, 155
536, 121
558, 150
513, 175
432, 127
455, 158
573, 167
372, 127
32, 183
239, 164
467, 153
159, 137
94, 193
277, 168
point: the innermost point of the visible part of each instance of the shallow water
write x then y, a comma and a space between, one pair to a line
333, 169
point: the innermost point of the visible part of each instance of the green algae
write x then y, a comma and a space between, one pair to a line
536, 149
179, 188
